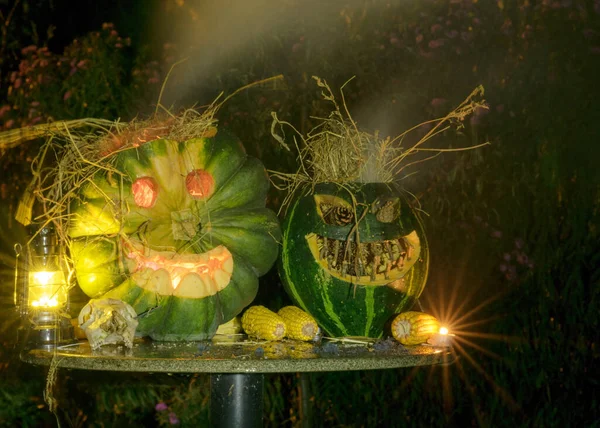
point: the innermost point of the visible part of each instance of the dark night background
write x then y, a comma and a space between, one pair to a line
513, 227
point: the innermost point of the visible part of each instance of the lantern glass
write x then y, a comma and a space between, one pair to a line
43, 296
47, 288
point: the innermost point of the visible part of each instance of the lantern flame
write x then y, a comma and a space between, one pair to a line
47, 289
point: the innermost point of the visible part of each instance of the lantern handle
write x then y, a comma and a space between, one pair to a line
18, 249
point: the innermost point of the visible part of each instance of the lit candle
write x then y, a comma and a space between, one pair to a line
441, 339
47, 289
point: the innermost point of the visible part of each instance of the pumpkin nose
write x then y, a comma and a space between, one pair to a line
185, 225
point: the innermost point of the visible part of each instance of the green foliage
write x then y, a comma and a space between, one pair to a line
513, 228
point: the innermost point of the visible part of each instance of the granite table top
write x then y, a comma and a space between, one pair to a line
239, 354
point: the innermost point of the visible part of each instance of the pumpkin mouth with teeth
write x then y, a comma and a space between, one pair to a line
368, 263
181, 275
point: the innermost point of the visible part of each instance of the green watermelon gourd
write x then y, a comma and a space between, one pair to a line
352, 284
179, 230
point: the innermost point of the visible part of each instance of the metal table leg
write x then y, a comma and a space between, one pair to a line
236, 400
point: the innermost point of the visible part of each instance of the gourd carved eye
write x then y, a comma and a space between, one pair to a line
145, 192
333, 210
199, 184
386, 211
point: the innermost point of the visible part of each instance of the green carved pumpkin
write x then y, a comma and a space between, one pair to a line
353, 283
179, 230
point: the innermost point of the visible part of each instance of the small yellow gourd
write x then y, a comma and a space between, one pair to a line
413, 328
299, 324
233, 326
262, 323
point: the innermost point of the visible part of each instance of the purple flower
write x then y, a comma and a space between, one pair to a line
522, 258
451, 34
437, 43
506, 257
173, 419
519, 243
496, 234
435, 28
503, 267
161, 406
588, 33
511, 274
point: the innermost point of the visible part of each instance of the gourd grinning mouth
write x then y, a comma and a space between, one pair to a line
211, 270
366, 263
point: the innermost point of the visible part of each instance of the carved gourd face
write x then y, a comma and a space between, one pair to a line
179, 230
352, 264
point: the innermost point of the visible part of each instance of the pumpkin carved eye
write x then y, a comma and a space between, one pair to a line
333, 210
145, 192
199, 184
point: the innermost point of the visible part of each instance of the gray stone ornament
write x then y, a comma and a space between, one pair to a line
108, 321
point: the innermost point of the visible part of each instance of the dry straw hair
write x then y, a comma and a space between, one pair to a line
337, 151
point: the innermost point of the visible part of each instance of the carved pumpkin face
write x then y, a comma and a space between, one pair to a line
179, 230
352, 264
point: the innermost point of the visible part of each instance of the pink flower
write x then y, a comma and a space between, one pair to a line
9, 123
67, 95
437, 43
17, 83
173, 419
161, 406
4, 109
435, 28
30, 48
82, 63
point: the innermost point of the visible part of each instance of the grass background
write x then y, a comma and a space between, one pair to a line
513, 227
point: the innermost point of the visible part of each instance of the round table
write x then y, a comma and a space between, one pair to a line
237, 365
